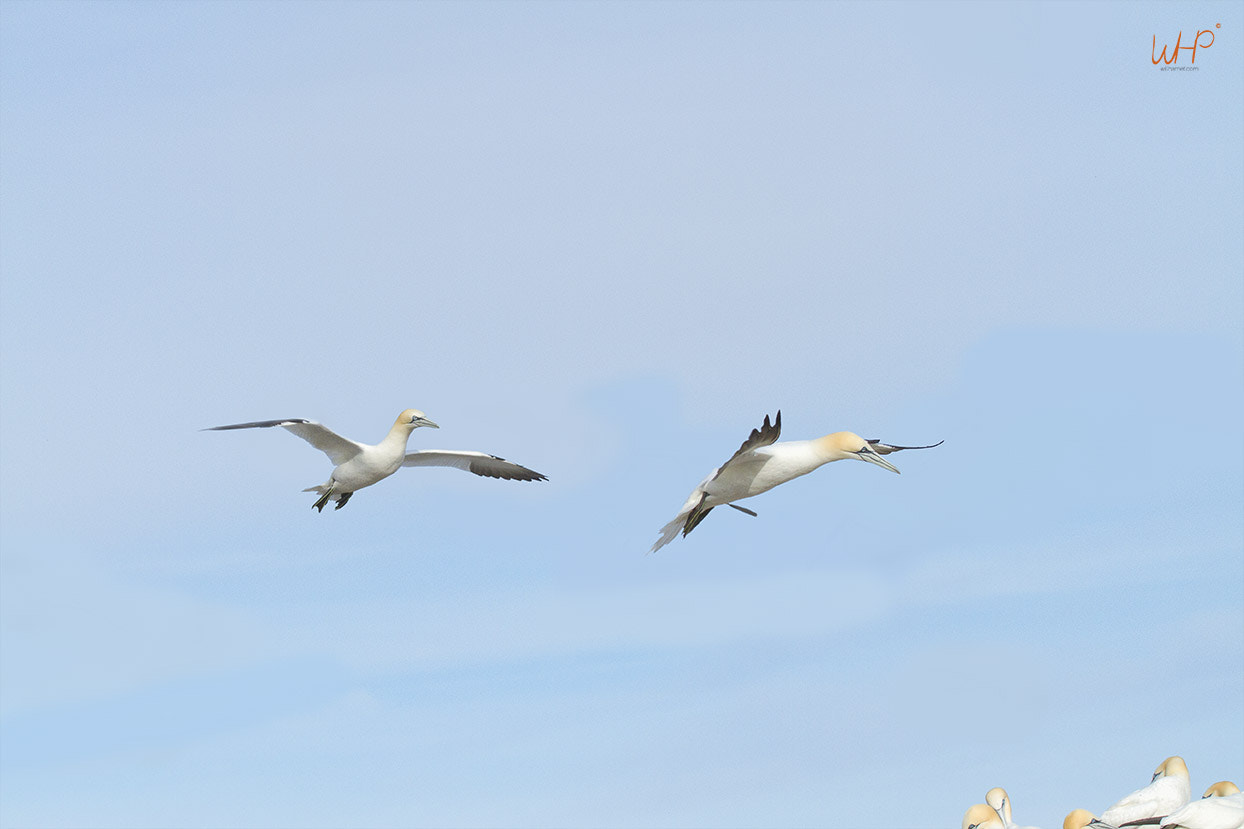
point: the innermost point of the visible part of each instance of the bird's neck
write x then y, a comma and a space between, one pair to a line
827, 448
397, 437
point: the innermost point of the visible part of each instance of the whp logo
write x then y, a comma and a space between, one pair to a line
1198, 42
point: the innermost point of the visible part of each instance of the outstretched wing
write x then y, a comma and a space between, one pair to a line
479, 463
338, 449
886, 448
765, 435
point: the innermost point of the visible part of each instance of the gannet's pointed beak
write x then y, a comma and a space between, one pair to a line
869, 454
423, 421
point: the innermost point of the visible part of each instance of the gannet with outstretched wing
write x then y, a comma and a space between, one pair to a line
1169, 789
360, 465
761, 463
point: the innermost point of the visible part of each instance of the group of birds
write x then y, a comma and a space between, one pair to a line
1165, 802
759, 465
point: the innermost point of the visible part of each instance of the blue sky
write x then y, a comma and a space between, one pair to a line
603, 240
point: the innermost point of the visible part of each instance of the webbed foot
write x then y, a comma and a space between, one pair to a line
319, 505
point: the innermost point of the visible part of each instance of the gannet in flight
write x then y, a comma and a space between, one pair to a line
1221, 807
1000, 802
1169, 790
761, 464
360, 465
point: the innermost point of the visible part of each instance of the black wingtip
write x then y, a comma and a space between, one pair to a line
255, 424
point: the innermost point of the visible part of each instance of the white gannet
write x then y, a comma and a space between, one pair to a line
1170, 789
360, 465
1221, 807
761, 464
1000, 802
981, 816
1083, 819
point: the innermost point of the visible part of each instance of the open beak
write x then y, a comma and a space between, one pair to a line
423, 421
869, 454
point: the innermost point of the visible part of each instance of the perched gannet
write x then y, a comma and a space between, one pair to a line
360, 465
761, 464
1083, 819
1169, 790
1221, 807
998, 799
982, 816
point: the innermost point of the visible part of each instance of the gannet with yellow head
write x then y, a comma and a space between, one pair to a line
762, 463
982, 816
360, 465
1083, 819
1170, 789
1000, 801
1221, 807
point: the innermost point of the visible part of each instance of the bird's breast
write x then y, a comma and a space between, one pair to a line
367, 467
760, 472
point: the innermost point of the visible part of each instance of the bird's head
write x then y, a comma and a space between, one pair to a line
981, 816
1223, 788
413, 419
996, 797
1079, 819
842, 445
1171, 767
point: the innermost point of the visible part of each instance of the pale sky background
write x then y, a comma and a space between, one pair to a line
604, 240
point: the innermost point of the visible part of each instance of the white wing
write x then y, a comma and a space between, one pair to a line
338, 449
480, 463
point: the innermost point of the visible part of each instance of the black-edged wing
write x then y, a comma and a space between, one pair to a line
886, 448
478, 463
338, 449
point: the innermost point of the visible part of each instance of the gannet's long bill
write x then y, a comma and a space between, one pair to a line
1170, 789
761, 464
1221, 807
360, 465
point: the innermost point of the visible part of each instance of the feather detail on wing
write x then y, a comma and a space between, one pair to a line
763, 436
479, 463
338, 449
886, 448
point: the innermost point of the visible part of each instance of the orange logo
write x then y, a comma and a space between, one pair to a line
1197, 43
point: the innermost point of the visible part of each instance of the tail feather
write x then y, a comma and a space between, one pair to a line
670, 531
691, 514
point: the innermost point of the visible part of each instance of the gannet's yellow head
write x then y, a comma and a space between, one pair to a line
1223, 788
413, 419
1078, 819
843, 445
996, 797
1171, 767
981, 816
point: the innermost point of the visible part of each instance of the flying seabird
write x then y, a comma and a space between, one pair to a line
761, 464
1170, 789
360, 465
